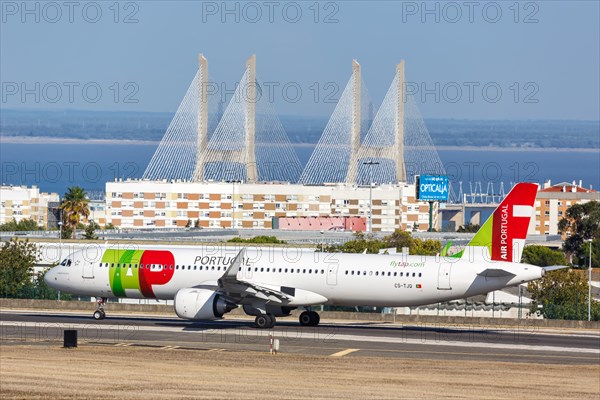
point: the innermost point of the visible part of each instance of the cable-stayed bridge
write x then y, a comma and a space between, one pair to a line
247, 142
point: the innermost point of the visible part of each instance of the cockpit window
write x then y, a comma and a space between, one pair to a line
66, 262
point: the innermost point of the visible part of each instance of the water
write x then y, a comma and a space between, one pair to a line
55, 167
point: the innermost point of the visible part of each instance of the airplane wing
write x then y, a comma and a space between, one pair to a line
237, 290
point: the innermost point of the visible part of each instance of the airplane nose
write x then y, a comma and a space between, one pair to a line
50, 278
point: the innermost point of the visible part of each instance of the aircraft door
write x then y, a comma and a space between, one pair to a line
88, 270
332, 273
444, 276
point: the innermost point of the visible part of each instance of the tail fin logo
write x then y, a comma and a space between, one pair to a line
505, 231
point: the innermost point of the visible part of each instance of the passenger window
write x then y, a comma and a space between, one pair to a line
189, 267
346, 272
376, 273
395, 273
322, 271
352, 272
194, 267
310, 271
414, 274
370, 273
419, 274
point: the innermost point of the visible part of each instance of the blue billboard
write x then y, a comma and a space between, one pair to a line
432, 187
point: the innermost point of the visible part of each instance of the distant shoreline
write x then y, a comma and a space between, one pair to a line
56, 140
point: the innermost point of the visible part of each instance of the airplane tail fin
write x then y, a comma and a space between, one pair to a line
504, 232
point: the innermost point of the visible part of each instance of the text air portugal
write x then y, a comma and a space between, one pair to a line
512, 222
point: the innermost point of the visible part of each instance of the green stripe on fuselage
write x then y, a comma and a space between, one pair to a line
124, 274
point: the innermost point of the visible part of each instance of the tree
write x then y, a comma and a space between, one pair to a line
75, 206
257, 239
109, 226
90, 231
66, 232
562, 294
400, 239
23, 225
470, 228
581, 223
17, 259
542, 256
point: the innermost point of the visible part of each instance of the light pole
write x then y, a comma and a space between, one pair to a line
232, 204
590, 282
59, 246
322, 236
370, 164
59, 241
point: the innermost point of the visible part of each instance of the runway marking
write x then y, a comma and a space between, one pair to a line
217, 350
169, 347
123, 344
344, 352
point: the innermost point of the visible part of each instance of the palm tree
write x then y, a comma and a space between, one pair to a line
74, 206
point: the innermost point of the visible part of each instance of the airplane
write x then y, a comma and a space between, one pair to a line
269, 282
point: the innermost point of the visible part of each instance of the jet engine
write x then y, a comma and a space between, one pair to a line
201, 304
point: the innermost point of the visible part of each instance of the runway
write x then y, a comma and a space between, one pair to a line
331, 338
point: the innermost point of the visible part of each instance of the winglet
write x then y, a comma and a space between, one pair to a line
234, 267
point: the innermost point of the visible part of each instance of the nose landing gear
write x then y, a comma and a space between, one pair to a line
99, 313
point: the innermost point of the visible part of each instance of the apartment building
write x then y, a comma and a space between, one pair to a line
137, 204
552, 202
22, 202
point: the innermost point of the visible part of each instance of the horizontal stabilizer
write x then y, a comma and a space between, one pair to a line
495, 273
555, 267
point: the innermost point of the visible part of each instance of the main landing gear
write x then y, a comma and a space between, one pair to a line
99, 313
265, 321
309, 318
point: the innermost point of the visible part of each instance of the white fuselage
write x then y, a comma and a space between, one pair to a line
323, 278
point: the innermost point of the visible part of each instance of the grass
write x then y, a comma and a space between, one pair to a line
45, 372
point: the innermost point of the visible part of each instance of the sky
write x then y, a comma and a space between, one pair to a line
464, 60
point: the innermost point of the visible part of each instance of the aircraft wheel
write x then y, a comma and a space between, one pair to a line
305, 318
272, 319
263, 321
99, 314
315, 318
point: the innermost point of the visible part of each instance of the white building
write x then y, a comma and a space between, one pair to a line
158, 204
22, 202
